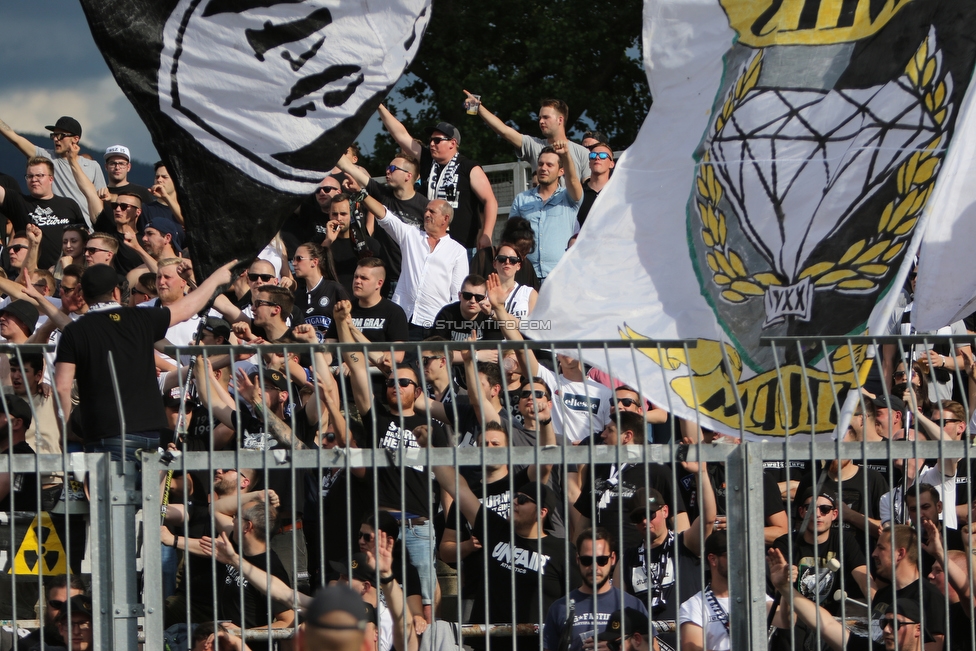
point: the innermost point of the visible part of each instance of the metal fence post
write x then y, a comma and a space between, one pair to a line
100, 537
747, 563
151, 555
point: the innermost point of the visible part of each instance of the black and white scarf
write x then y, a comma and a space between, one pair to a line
442, 183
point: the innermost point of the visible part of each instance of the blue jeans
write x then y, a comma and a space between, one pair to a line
133, 442
420, 548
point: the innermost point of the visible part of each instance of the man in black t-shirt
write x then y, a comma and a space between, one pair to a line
610, 484
446, 174
41, 208
18, 491
254, 521
665, 567
379, 319
128, 333
895, 559
828, 559
537, 561
456, 321
389, 423
310, 220
348, 241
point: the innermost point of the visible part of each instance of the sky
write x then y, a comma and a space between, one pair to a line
51, 67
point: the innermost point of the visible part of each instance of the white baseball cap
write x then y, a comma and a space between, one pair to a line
118, 150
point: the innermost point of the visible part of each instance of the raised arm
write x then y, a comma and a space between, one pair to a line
196, 300
404, 633
351, 169
513, 137
278, 429
95, 204
399, 133
481, 187
466, 500
20, 142
358, 373
780, 573
34, 236
224, 552
694, 538
573, 185
496, 294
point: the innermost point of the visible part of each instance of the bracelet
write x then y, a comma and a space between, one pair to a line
545, 422
176, 540
387, 579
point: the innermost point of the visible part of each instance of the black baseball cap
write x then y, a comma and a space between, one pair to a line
335, 598
646, 501
540, 494
447, 129
17, 408
176, 232
629, 620
717, 543
360, 568
25, 312
274, 379
79, 604
910, 608
98, 280
889, 402
217, 327
68, 124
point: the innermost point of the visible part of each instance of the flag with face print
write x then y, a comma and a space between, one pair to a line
251, 102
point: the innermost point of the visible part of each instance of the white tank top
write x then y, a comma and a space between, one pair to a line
517, 303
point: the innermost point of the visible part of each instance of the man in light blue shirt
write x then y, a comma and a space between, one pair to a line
549, 208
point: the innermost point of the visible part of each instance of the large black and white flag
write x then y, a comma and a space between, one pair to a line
251, 102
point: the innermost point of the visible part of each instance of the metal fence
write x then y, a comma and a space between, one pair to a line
112, 538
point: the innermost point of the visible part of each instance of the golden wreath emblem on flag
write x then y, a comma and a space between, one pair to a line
823, 148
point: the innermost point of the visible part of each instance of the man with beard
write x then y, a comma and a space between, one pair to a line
817, 554
711, 605
570, 622
347, 241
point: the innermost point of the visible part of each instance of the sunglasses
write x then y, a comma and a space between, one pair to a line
328, 189
70, 290
886, 622
602, 155
638, 516
363, 535
537, 394
614, 645
428, 360
404, 382
626, 402
92, 250
507, 259
522, 499
262, 277
586, 561
823, 508
58, 137
468, 296
299, 258
56, 604
17, 247
393, 168
260, 302
136, 290
124, 206
438, 140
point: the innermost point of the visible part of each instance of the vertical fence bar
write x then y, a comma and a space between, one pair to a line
152, 554
747, 564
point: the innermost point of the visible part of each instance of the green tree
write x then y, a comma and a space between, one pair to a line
514, 53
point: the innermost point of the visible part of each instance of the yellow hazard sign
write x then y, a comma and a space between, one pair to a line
41, 544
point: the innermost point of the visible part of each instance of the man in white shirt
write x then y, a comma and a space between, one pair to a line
434, 266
